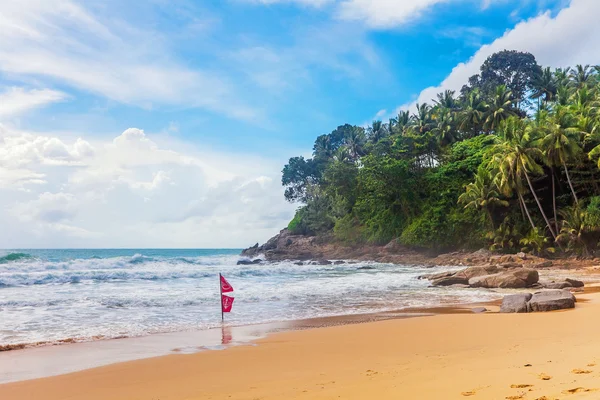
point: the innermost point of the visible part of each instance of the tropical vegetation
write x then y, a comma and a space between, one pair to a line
511, 162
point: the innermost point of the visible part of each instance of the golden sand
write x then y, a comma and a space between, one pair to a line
541, 356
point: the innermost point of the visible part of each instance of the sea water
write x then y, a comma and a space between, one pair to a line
83, 295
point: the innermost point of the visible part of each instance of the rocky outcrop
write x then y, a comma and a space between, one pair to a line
450, 280
548, 300
515, 303
551, 300
513, 279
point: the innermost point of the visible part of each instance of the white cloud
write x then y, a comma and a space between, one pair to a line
312, 3
17, 100
62, 41
384, 13
136, 190
566, 39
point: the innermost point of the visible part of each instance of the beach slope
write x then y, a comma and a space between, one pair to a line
476, 356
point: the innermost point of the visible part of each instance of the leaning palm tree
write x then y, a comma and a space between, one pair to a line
515, 157
500, 109
482, 195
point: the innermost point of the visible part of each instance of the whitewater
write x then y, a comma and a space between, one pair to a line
50, 296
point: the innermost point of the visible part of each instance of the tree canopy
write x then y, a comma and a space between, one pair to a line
509, 163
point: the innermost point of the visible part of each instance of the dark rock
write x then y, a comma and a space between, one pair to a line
479, 310
245, 262
450, 280
556, 285
257, 261
324, 262
339, 262
551, 300
367, 267
515, 303
575, 283
299, 263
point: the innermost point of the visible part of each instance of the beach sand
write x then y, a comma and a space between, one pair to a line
455, 356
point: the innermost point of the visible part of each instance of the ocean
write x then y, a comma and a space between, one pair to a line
49, 296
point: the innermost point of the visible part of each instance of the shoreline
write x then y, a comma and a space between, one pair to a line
37, 362
450, 356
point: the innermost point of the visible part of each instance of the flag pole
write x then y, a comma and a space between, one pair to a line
221, 297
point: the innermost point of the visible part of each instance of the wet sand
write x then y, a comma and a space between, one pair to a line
452, 356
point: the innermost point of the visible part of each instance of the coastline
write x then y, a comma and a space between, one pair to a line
451, 356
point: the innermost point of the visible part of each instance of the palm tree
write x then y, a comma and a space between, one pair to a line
473, 113
444, 127
401, 122
376, 131
482, 195
446, 100
421, 120
354, 141
544, 86
500, 108
515, 156
581, 76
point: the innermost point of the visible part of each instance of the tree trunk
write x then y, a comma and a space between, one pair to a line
522, 202
489, 213
540, 206
570, 184
554, 200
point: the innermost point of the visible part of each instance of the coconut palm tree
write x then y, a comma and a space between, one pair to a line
500, 108
473, 113
446, 100
376, 131
515, 157
483, 195
355, 141
421, 120
400, 123
544, 86
581, 76
560, 141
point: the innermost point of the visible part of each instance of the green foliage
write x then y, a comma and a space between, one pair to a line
445, 174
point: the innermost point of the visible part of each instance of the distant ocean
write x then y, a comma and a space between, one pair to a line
82, 295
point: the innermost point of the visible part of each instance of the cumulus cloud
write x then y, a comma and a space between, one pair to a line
384, 13
566, 39
134, 190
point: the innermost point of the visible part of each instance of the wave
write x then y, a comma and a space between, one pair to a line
10, 257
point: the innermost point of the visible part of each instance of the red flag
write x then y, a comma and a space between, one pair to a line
226, 303
225, 286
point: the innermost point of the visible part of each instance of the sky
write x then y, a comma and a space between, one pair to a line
166, 123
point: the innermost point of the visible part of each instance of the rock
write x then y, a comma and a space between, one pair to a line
473, 272
575, 283
512, 264
436, 276
515, 303
479, 310
367, 267
245, 262
543, 264
522, 255
450, 280
514, 279
551, 300
557, 285
299, 263
339, 262
257, 261
323, 262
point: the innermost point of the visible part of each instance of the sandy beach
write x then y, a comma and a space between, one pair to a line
456, 356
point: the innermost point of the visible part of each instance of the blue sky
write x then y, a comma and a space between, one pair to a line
174, 118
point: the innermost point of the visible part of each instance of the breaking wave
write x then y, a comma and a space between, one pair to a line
11, 257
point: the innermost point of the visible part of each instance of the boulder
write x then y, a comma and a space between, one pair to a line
513, 279
450, 280
367, 267
432, 277
522, 255
339, 262
473, 272
551, 300
575, 283
244, 262
515, 303
557, 285
323, 262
